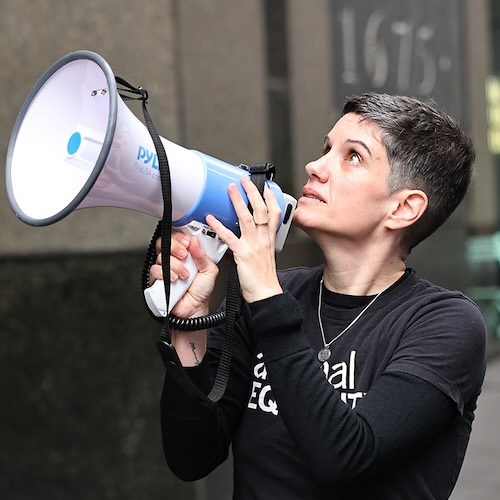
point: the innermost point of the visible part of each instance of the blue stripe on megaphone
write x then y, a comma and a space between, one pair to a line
214, 198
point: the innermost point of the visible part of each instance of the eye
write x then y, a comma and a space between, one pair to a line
326, 149
354, 157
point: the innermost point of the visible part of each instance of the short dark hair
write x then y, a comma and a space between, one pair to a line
426, 149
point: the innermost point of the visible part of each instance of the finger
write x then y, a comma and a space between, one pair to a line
201, 259
256, 200
177, 269
225, 234
273, 209
158, 259
155, 273
239, 205
247, 220
179, 245
178, 253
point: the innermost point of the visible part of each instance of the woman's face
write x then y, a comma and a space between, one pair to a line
347, 192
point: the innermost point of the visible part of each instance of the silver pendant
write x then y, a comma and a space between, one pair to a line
324, 354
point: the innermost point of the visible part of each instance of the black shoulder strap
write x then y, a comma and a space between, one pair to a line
259, 173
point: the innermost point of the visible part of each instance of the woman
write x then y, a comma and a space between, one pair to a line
357, 378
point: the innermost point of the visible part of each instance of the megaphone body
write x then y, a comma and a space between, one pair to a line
75, 144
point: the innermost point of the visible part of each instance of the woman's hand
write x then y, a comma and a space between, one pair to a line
195, 302
254, 250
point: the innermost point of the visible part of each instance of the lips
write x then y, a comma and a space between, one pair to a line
312, 195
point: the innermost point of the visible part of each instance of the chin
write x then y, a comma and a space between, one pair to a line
300, 219
308, 221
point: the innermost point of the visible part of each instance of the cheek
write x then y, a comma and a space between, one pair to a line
358, 202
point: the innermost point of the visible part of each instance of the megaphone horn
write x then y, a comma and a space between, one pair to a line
75, 144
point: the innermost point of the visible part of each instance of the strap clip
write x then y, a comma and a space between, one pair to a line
268, 169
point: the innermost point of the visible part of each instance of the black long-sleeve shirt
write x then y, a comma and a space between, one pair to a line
388, 416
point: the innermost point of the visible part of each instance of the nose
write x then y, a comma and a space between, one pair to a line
317, 169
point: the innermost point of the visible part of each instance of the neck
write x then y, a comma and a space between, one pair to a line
355, 272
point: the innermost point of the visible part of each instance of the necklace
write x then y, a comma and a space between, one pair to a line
325, 352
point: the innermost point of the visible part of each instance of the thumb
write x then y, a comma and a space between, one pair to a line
200, 258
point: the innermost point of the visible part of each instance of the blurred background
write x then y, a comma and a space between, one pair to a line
246, 82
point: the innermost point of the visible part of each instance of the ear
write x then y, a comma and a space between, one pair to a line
407, 207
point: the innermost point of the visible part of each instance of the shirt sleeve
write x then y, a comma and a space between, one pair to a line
197, 433
445, 345
400, 412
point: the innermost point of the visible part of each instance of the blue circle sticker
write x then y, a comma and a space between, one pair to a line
74, 143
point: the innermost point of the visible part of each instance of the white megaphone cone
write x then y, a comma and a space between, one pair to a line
76, 144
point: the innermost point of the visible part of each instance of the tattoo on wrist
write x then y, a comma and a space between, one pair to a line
193, 349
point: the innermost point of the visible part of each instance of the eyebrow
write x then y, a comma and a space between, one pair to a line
350, 141
360, 143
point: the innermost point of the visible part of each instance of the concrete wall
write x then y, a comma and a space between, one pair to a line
80, 378
135, 39
80, 381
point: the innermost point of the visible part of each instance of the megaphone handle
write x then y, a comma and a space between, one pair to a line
155, 294
214, 248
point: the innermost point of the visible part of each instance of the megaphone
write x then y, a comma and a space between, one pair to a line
75, 144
